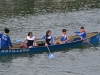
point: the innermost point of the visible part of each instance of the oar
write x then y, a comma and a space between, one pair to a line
51, 56
90, 44
19, 40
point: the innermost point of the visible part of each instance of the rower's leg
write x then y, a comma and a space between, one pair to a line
57, 42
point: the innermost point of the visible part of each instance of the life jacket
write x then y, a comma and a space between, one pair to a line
83, 30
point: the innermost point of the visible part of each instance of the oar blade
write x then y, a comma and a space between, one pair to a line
51, 56
19, 40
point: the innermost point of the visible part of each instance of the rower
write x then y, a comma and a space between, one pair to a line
5, 39
63, 37
81, 33
48, 38
31, 41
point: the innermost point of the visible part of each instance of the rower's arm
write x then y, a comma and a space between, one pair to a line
67, 38
77, 33
52, 41
24, 40
44, 39
9, 42
80, 34
35, 44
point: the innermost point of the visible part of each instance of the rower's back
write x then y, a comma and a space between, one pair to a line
5, 39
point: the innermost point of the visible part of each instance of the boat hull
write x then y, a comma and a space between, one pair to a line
40, 49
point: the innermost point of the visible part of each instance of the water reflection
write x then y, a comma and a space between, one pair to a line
9, 58
24, 7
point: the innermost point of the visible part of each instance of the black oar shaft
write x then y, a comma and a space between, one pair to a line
48, 49
90, 44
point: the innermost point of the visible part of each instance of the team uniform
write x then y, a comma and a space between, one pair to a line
63, 38
5, 41
81, 35
30, 41
49, 40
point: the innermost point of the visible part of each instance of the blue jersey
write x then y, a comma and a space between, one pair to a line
81, 35
5, 41
63, 38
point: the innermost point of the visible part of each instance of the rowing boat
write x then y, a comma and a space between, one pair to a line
74, 42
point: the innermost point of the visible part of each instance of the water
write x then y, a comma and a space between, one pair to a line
22, 16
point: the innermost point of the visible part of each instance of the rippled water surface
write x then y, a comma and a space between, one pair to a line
22, 16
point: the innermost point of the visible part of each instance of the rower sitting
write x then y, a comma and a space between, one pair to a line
31, 41
81, 33
63, 38
48, 38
